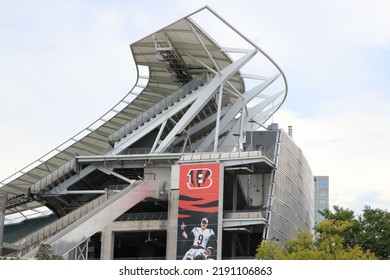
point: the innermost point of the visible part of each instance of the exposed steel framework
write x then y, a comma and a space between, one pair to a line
196, 92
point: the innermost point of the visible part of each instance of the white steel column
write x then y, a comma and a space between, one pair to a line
205, 94
227, 123
218, 119
158, 136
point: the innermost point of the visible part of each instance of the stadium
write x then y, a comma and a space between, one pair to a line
188, 165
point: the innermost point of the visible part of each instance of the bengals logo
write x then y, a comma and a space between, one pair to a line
199, 178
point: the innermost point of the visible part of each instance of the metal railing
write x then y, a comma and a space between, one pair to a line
221, 155
143, 216
245, 214
68, 167
158, 108
44, 233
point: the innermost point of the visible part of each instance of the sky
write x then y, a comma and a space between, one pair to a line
64, 64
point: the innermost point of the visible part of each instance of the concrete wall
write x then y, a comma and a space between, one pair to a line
162, 174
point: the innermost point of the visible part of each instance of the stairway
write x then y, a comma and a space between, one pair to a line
74, 228
158, 108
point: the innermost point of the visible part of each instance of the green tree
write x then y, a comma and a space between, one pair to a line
332, 244
329, 246
45, 252
340, 214
270, 250
370, 230
9, 258
303, 248
375, 233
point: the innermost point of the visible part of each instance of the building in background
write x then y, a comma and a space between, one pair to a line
182, 162
321, 196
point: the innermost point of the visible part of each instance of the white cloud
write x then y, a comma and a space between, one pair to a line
348, 141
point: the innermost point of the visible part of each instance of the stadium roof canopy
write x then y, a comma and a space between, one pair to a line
166, 60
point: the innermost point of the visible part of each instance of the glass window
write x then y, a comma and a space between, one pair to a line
322, 194
322, 184
322, 201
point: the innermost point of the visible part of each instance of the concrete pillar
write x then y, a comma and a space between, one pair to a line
220, 211
107, 245
3, 202
173, 210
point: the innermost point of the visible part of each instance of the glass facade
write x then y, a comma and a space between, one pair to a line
321, 196
322, 183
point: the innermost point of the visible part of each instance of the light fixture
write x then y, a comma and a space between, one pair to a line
159, 57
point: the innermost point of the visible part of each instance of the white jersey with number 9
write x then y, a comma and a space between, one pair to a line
201, 237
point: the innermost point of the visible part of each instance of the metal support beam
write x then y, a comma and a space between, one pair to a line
156, 122
158, 136
227, 123
206, 50
81, 251
205, 94
111, 172
98, 218
218, 121
61, 188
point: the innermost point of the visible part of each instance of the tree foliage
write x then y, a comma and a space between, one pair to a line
304, 247
332, 241
340, 236
45, 252
270, 250
375, 234
9, 258
340, 214
370, 230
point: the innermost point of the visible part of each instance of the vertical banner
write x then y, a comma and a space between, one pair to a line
199, 196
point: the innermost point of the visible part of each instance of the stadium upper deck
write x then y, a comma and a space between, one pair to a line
196, 91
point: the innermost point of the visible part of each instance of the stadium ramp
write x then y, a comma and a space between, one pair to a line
71, 230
